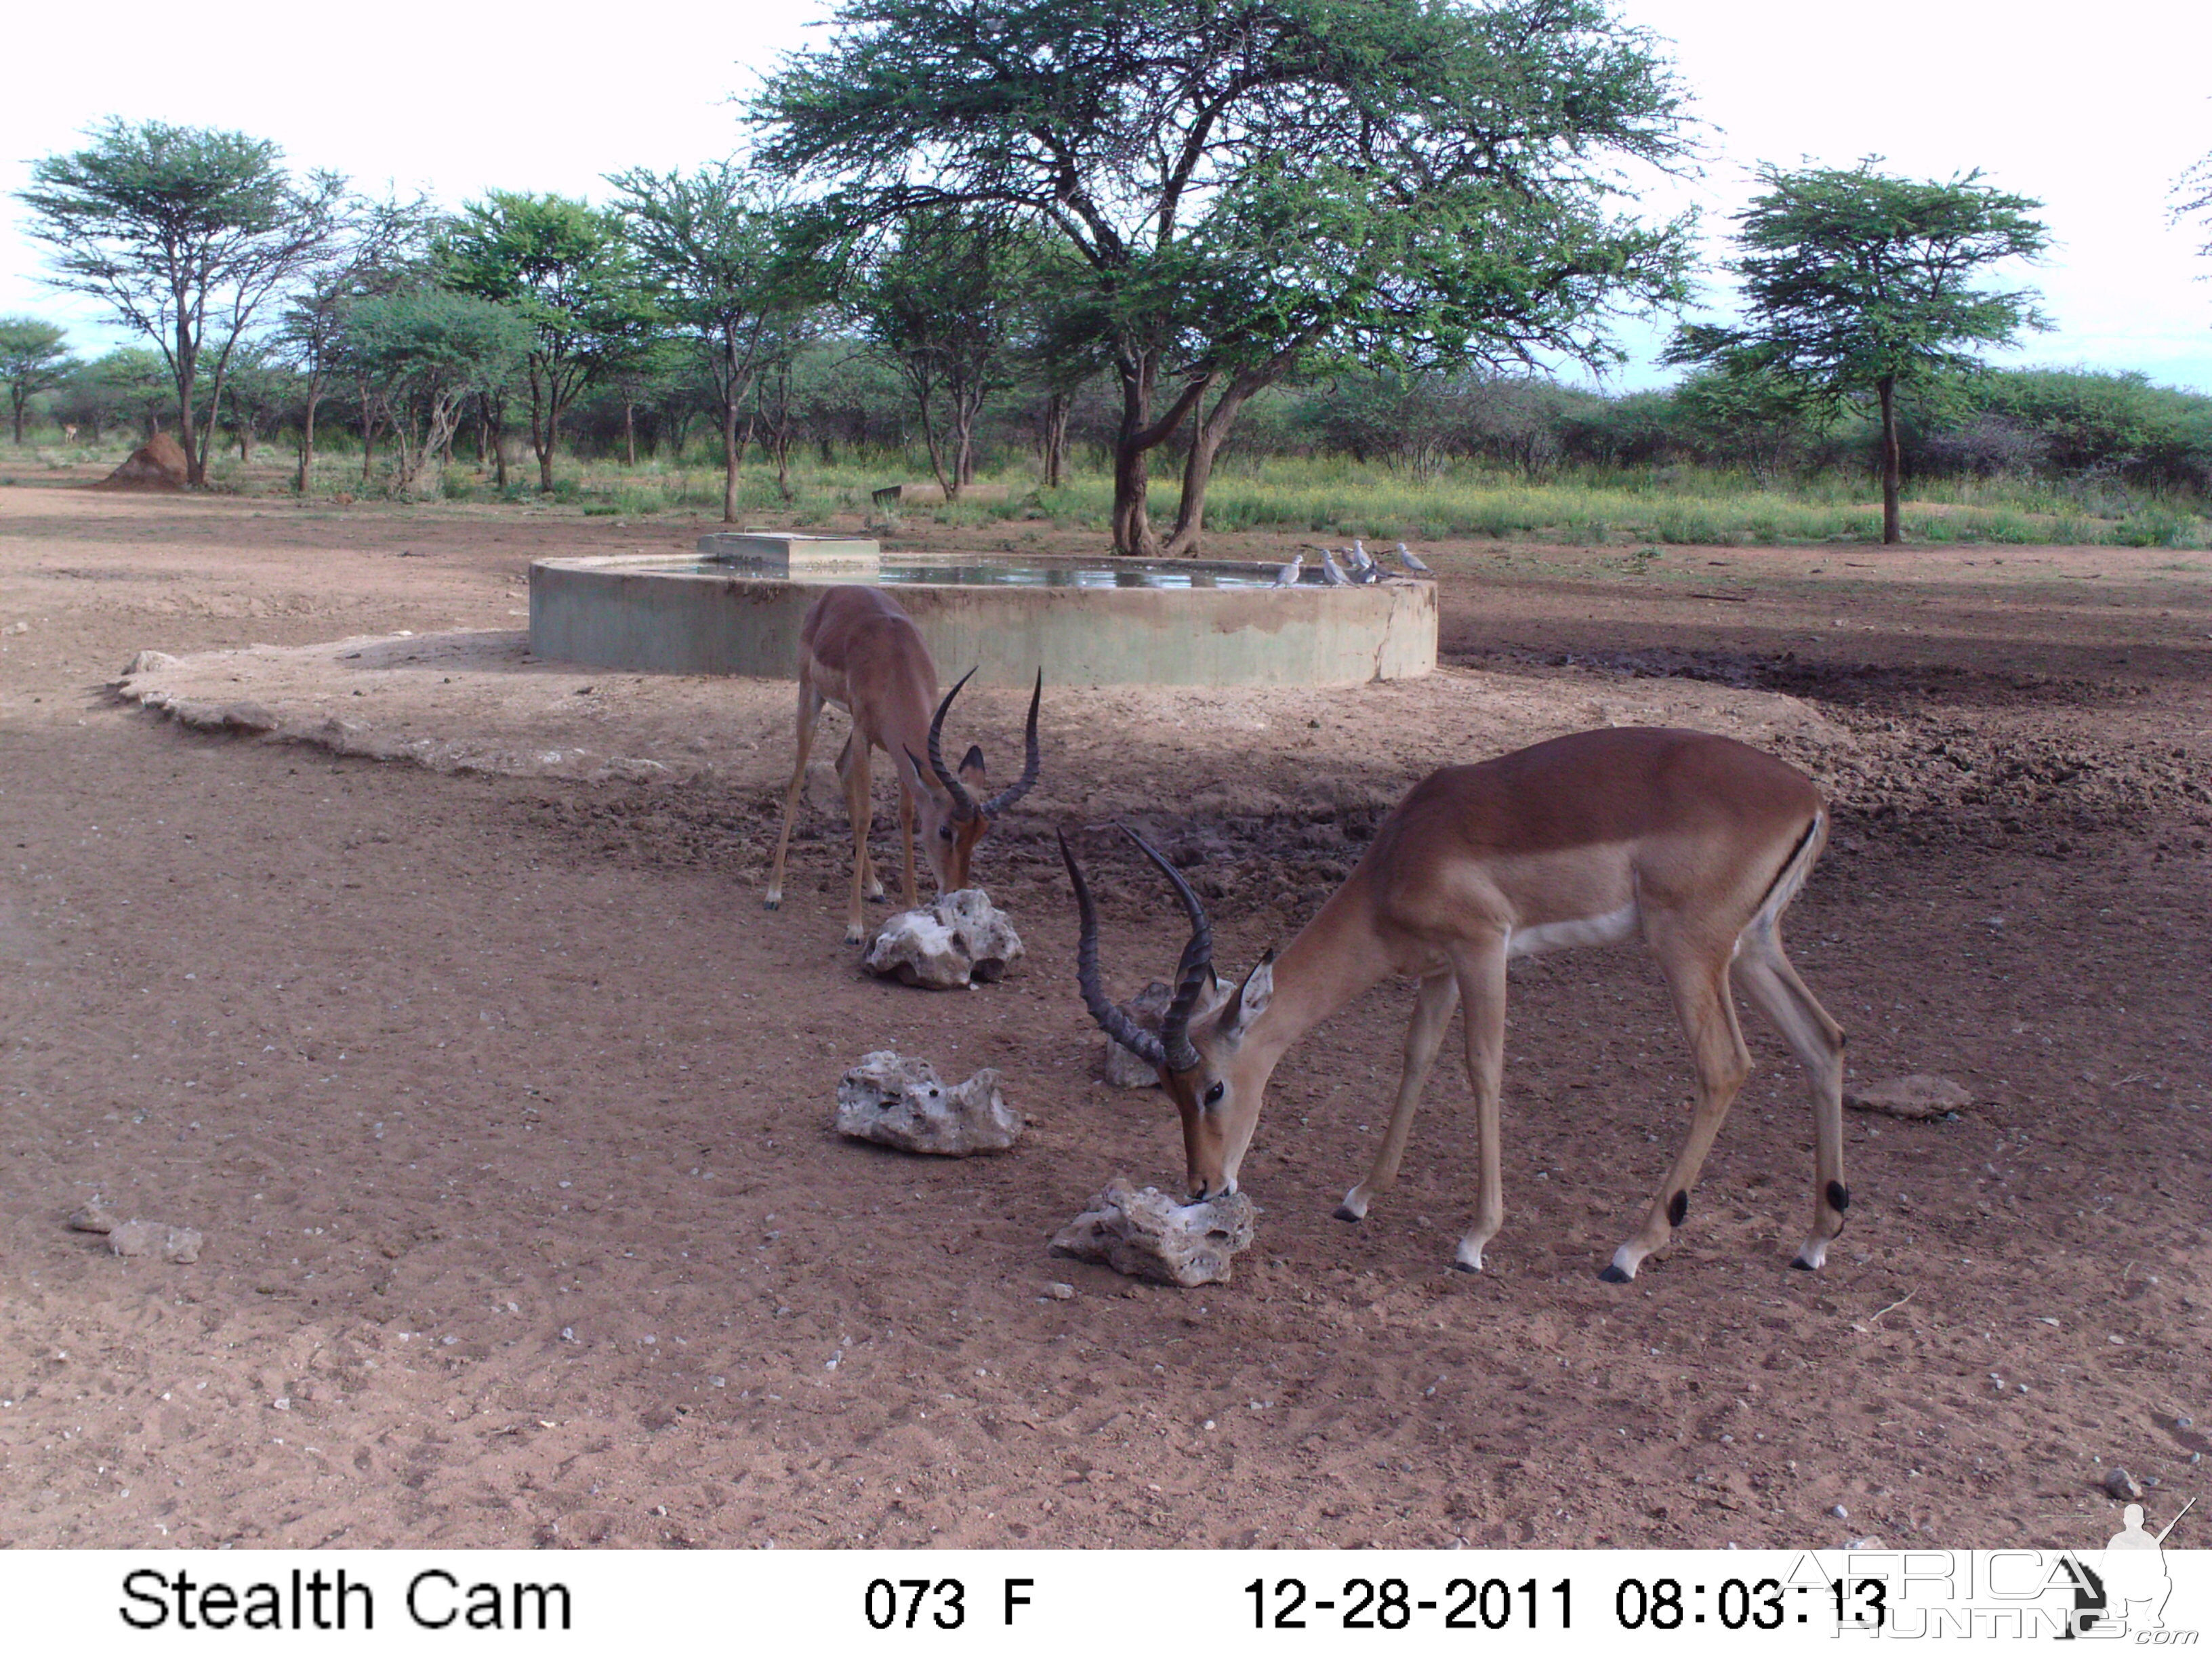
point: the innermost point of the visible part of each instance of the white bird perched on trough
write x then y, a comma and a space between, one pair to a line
1411, 561
1330, 569
1288, 575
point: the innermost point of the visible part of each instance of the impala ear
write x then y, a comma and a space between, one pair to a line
1249, 1000
971, 767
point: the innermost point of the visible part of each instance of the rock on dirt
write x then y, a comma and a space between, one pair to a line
1123, 1068
962, 939
1145, 1234
901, 1102
2119, 1484
1916, 1097
138, 1238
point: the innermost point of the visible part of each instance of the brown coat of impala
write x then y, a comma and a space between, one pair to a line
857, 649
1697, 843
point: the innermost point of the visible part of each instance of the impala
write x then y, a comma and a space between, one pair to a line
1697, 843
857, 649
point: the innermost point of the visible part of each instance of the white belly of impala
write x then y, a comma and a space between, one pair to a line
1610, 928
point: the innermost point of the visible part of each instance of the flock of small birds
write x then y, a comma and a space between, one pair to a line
1360, 565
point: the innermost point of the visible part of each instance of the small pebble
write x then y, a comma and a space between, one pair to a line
2122, 1485
1840, 1512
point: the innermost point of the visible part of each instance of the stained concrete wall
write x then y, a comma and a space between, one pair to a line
646, 613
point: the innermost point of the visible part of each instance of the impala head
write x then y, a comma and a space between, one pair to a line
1216, 1079
953, 821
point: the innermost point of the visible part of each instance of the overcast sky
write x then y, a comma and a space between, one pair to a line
2094, 110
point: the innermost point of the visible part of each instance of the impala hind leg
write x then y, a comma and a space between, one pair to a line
1697, 975
1775, 991
1478, 971
1432, 1012
809, 711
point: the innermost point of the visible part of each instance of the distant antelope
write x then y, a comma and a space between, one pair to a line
857, 649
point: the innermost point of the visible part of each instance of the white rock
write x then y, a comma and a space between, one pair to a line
962, 939
901, 1102
1916, 1097
1145, 1234
1122, 1068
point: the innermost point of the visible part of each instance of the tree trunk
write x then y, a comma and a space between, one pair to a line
1056, 409
630, 433
1892, 464
307, 438
1207, 435
730, 451
16, 395
1133, 444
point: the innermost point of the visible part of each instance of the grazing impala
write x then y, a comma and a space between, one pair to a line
1697, 843
860, 651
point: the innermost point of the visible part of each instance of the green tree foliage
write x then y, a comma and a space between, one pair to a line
1253, 185
426, 352
1856, 284
2192, 199
130, 384
947, 300
711, 245
376, 247
1749, 415
33, 359
566, 268
185, 233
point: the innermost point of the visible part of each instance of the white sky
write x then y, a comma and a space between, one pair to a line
2094, 110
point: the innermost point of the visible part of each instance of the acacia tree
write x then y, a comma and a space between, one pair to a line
185, 233
33, 359
710, 244
2192, 199
425, 354
946, 302
1253, 186
376, 247
566, 268
1857, 284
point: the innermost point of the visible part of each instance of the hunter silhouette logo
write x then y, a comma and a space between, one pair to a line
2127, 1590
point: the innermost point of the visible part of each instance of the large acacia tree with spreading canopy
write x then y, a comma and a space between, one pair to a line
1254, 187
186, 233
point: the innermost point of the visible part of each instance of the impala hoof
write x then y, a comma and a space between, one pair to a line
855, 933
1803, 1266
1345, 1213
1613, 1275
1458, 1266
775, 903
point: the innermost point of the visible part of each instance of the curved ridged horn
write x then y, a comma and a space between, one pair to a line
1006, 797
1192, 972
1111, 1020
963, 804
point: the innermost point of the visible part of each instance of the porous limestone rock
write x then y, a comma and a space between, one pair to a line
901, 1102
138, 1238
961, 940
1145, 1234
1121, 1067
1915, 1096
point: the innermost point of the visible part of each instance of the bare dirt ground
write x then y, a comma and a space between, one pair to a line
504, 1108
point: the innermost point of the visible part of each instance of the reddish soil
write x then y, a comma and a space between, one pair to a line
504, 1108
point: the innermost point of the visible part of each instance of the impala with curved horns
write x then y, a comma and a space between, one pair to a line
1697, 842
859, 649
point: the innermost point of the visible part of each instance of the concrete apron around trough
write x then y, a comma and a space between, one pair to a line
657, 614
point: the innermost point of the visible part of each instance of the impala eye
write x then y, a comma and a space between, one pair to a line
945, 832
1213, 1095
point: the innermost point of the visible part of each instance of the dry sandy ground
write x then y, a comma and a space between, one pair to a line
504, 1108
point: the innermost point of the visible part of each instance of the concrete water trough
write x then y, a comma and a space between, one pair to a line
736, 609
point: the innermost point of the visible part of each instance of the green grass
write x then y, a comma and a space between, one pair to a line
1335, 497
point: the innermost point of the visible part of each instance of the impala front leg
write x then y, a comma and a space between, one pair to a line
860, 805
1432, 1013
1478, 968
